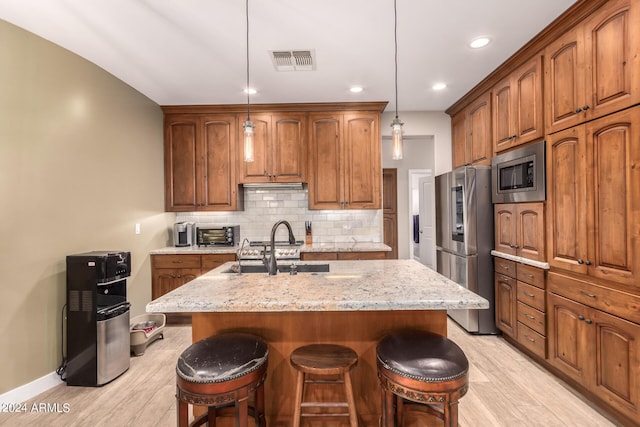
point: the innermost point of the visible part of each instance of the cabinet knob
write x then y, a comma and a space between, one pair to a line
514, 246
578, 110
587, 262
580, 317
512, 137
580, 261
588, 321
585, 108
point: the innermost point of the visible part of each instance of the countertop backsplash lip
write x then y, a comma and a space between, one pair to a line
265, 206
315, 247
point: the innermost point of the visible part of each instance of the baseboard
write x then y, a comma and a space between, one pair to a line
30, 390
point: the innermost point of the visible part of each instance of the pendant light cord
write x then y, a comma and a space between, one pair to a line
395, 40
247, 89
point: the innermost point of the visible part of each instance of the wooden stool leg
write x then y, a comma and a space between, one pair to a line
298, 399
242, 413
451, 414
387, 408
211, 414
183, 413
399, 404
261, 421
353, 418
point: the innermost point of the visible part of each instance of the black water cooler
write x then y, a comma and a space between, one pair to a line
98, 340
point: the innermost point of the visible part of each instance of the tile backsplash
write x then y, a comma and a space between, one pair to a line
263, 207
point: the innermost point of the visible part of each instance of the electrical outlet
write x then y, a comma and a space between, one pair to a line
137, 228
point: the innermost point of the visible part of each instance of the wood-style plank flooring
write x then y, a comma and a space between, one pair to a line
507, 389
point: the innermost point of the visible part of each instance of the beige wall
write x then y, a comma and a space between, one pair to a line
80, 164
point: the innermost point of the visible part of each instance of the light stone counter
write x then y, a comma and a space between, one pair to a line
315, 247
349, 286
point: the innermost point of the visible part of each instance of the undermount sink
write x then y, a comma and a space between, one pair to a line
282, 268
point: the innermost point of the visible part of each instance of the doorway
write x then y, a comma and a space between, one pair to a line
422, 216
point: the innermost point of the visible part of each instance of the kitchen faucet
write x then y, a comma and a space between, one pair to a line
272, 265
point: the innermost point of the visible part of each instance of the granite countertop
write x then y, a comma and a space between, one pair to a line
315, 247
523, 260
349, 286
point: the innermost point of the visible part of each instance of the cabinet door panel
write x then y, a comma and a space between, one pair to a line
256, 171
479, 132
506, 308
503, 121
326, 174
530, 233
613, 36
289, 148
505, 228
459, 139
617, 360
568, 339
363, 172
564, 81
528, 101
220, 162
615, 184
566, 199
180, 156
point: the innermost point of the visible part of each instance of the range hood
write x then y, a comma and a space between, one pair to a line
275, 185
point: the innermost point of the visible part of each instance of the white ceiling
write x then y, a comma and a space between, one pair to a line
194, 51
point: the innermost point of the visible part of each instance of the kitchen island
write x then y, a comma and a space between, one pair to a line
356, 303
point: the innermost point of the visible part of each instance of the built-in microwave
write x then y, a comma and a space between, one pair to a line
519, 175
224, 235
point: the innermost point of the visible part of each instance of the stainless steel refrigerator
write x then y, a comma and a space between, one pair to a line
464, 239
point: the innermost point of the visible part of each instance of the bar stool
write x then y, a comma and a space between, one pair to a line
324, 360
424, 370
222, 372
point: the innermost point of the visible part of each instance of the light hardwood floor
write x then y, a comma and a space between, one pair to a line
507, 389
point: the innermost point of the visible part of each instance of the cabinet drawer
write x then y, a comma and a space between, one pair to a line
319, 256
532, 318
355, 256
176, 261
531, 275
531, 295
211, 261
532, 340
504, 266
618, 303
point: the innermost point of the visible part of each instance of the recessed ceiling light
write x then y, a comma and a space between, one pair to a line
439, 86
356, 89
250, 91
479, 42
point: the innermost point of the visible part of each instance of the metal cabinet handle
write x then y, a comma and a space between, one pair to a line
589, 321
530, 276
580, 261
530, 317
587, 294
587, 262
529, 339
580, 317
514, 246
578, 110
504, 267
585, 108
529, 295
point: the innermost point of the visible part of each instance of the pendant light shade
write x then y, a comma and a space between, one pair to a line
248, 140
248, 124
396, 124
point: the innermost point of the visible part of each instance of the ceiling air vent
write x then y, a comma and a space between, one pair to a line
293, 60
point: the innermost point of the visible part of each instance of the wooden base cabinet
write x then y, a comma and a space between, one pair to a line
520, 304
598, 350
169, 272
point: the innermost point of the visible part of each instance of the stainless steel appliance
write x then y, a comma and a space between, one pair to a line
98, 340
224, 235
183, 234
519, 175
259, 250
464, 239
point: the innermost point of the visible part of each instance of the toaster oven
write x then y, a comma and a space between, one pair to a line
224, 235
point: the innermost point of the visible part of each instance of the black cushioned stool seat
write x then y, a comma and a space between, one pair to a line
222, 372
421, 368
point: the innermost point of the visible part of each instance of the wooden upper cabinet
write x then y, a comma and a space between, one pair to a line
520, 230
459, 139
345, 161
517, 106
478, 151
594, 212
200, 163
471, 134
594, 68
280, 149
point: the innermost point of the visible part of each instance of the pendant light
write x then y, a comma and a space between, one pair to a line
248, 124
396, 124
